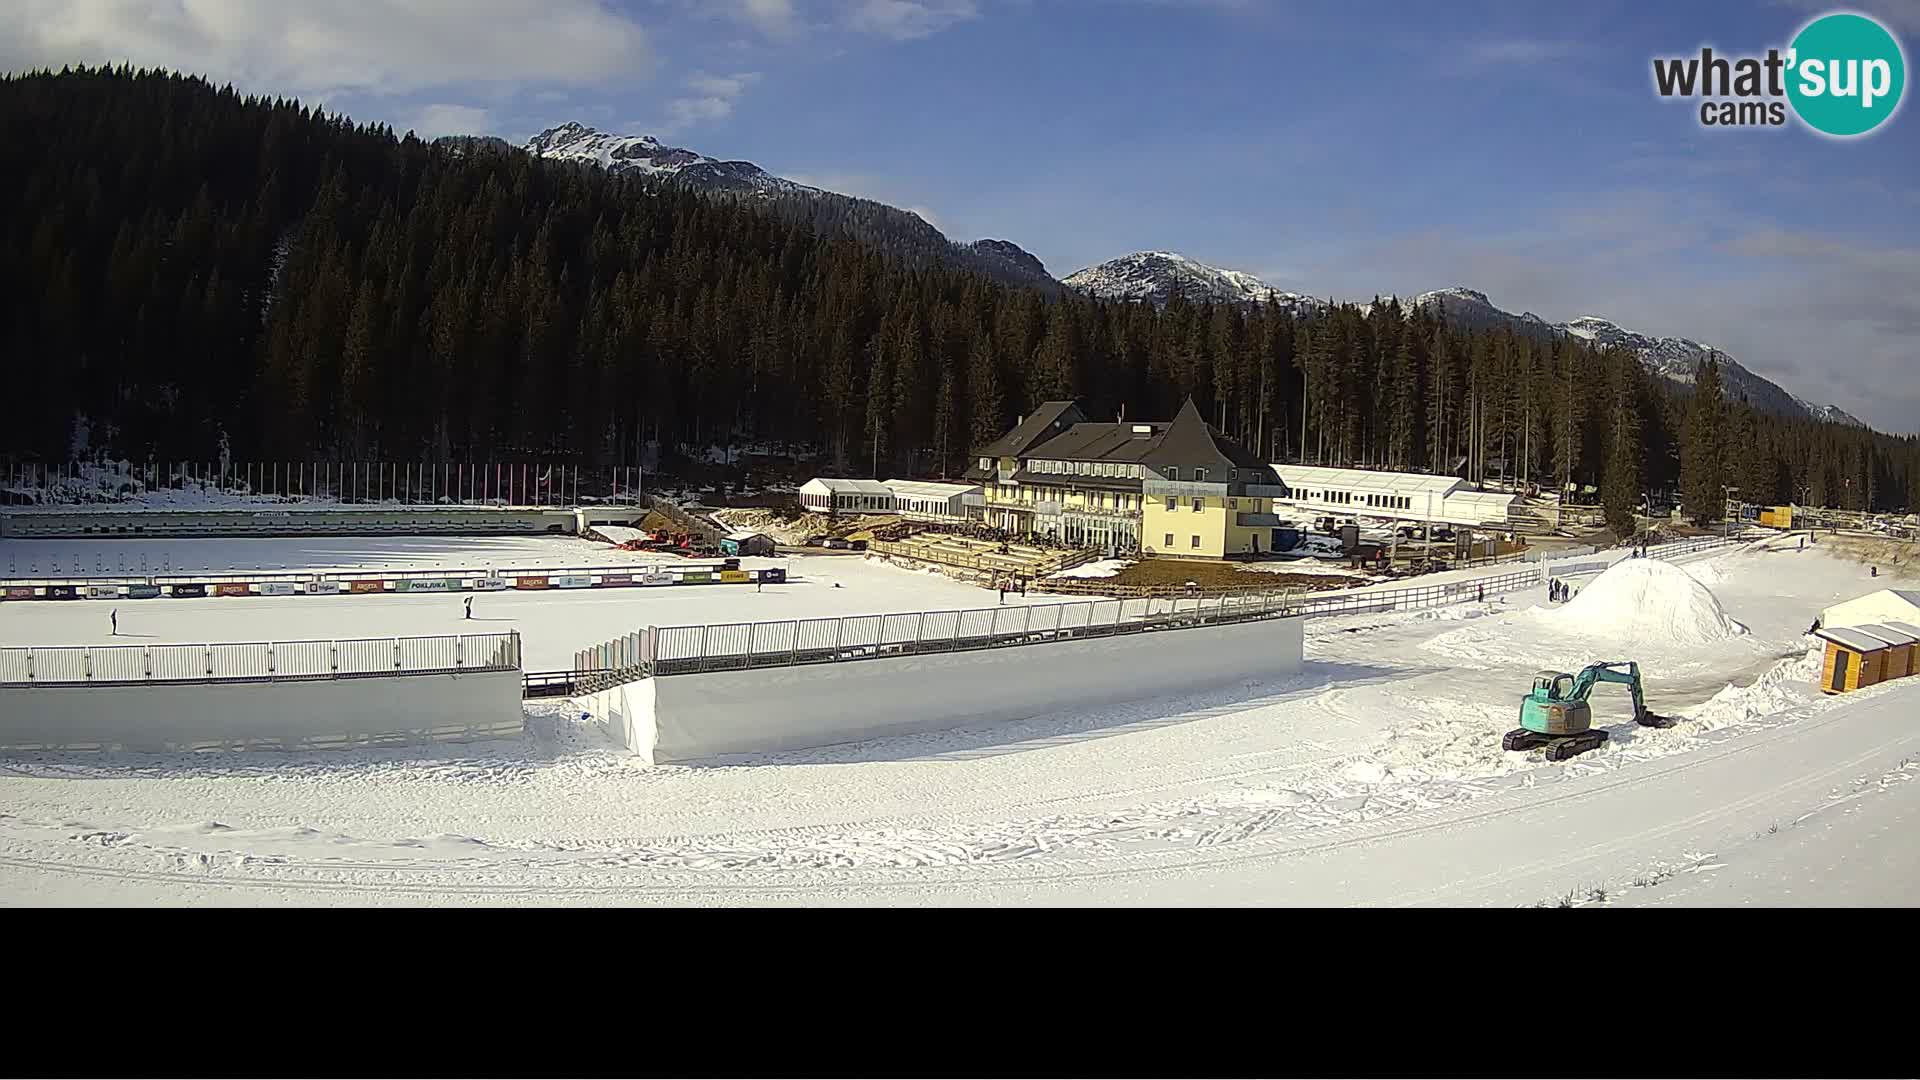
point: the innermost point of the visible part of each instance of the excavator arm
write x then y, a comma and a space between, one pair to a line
1624, 672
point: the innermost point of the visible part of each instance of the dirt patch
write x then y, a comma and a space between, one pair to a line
1167, 575
1874, 550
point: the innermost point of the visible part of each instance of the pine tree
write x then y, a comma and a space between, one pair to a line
1703, 449
1620, 488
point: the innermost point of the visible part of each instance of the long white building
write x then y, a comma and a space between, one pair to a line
1320, 491
918, 499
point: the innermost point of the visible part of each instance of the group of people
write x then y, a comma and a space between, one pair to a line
1559, 591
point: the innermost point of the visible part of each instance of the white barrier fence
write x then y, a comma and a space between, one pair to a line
259, 661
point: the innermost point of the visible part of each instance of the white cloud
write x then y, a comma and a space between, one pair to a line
775, 18
713, 98
320, 46
433, 121
904, 20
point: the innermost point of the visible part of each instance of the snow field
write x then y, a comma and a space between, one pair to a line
1381, 724
554, 624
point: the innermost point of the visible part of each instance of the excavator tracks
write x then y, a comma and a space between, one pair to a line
1559, 747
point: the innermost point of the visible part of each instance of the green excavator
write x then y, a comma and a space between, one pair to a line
1556, 714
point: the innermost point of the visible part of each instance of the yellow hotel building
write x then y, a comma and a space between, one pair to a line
1174, 488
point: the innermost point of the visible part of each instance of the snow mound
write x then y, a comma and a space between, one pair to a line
1650, 601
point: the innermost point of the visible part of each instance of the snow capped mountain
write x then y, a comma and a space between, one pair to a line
648, 155
1671, 358
1153, 275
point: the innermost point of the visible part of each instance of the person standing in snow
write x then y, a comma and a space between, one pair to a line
469, 607
1003, 590
1480, 594
114, 617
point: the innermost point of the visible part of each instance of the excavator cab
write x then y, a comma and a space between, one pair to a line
1547, 686
1555, 713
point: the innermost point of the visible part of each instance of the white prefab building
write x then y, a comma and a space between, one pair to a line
1887, 605
1448, 500
846, 496
930, 501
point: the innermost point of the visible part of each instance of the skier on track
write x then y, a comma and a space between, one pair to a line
114, 617
469, 607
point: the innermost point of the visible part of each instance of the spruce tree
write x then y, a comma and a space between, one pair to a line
1620, 487
1703, 448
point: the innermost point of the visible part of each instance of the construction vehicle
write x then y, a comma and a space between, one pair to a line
1555, 714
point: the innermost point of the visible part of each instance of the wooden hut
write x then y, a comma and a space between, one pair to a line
1855, 660
1900, 648
1913, 653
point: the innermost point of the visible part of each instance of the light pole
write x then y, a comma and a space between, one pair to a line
1726, 510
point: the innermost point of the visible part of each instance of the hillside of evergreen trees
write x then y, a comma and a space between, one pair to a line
180, 262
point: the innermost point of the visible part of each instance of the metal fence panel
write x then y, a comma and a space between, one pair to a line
776, 641
231, 661
298, 658
681, 642
860, 631
362, 656
1104, 615
178, 661
14, 666
729, 644
60, 665
900, 629
939, 629
976, 624
122, 663
428, 654
815, 637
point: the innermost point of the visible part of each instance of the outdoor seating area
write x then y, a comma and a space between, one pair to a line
992, 558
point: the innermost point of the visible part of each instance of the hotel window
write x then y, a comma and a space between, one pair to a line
1173, 472
1199, 504
1200, 476
1172, 504
1233, 504
1169, 542
1195, 543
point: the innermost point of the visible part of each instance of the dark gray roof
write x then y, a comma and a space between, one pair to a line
1047, 420
1187, 442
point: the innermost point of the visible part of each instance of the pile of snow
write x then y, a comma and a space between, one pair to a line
620, 534
1648, 600
1098, 568
1789, 684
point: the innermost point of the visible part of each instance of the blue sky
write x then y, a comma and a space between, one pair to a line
1328, 147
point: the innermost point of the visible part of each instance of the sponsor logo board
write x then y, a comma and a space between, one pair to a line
317, 588
276, 588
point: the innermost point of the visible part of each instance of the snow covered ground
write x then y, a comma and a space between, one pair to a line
1375, 777
553, 624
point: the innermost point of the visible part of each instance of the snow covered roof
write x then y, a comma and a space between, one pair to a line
745, 534
1903, 627
1315, 477
1482, 498
1852, 638
928, 489
834, 486
1886, 633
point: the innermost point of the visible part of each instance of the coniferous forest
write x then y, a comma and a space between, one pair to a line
181, 263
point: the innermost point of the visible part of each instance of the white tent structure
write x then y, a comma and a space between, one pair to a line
1887, 605
834, 496
1402, 496
928, 500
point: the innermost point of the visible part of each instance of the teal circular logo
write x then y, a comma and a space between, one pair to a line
1846, 75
